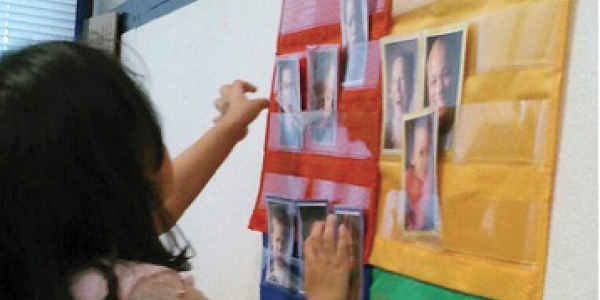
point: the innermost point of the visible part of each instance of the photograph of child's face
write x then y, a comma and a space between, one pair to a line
281, 238
401, 72
420, 154
323, 74
354, 21
323, 93
419, 177
443, 68
291, 130
353, 222
288, 94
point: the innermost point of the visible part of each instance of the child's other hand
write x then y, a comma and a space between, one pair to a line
327, 264
237, 111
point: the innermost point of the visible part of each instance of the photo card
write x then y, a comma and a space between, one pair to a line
280, 217
400, 60
323, 81
288, 84
355, 22
307, 213
323, 77
355, 39
443, 80
421, 214
353, 220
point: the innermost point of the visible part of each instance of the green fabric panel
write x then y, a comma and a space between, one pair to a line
391, 286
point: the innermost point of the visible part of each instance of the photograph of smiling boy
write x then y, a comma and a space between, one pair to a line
399, 86
443, 80
281, 239
419, 180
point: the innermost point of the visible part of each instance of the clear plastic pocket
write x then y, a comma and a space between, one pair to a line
347, 195
521, 37
323, 132
301, 15
502, 132
499, 229
281, 185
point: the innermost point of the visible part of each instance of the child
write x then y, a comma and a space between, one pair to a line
87, 185
418, 184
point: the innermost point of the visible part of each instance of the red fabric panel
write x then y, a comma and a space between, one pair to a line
359, 116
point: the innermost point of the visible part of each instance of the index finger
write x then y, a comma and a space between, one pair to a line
329, 234
240, 86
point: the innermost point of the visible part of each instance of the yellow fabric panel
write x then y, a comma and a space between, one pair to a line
495, 190
489, 228
484, 277
509, 86
390, 182
492, 182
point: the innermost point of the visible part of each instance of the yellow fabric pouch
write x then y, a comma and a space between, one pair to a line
495, 182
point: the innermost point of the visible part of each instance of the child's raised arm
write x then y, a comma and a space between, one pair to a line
193, 168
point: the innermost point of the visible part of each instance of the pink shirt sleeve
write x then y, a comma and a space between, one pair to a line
136, 281
167, 285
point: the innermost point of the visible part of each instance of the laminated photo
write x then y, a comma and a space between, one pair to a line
290, 119
353, 220
355, 39
280, 214
323, 92
354, 22
308, 212
323, 77
400, 86
421, 214
444, 67
288, 84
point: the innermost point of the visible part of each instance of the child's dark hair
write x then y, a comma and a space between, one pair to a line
79, 144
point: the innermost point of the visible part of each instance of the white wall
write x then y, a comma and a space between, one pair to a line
188, 54
573, 254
